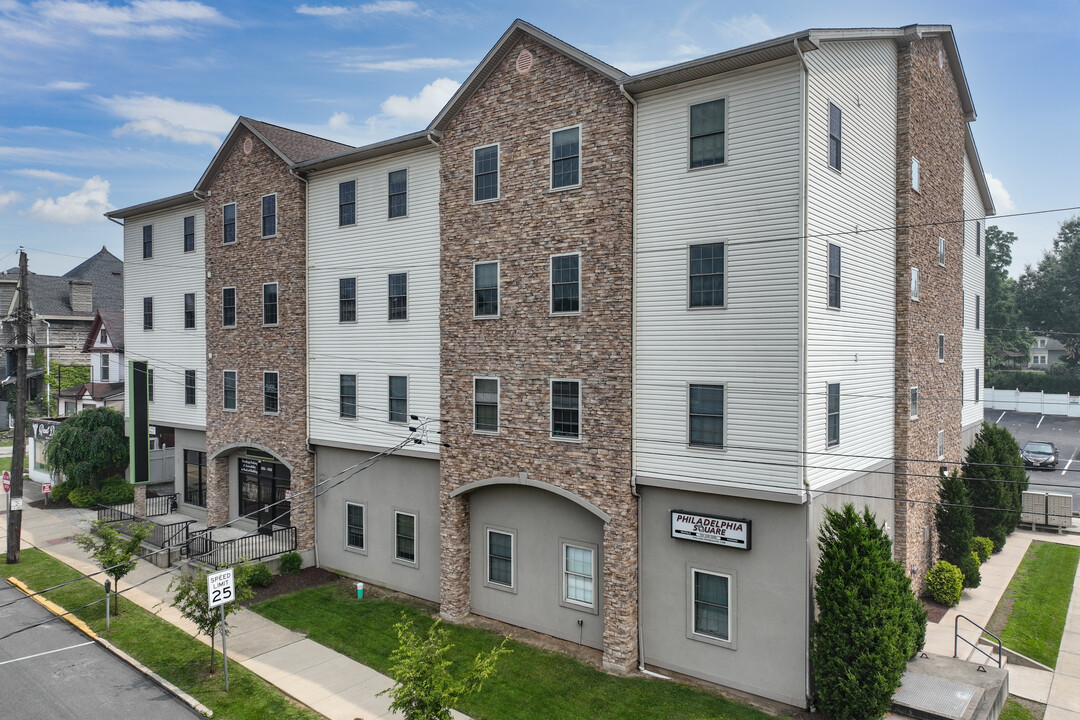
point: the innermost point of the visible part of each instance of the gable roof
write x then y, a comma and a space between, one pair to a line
290, 145
113, 322
51, 295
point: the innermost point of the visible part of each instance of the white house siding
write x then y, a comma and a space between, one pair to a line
117, 368
853, 345
373, 348
168, 348
751, 346
974, 285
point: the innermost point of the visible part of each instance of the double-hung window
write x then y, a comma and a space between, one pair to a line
150, 384
148, 313
566, 409
833, 412
834, 276
270, 303
398, 296
941, 347
978, 311
486, 173
398, 200
228, 307
566, 283
707, 124
500, 553
566, 158
913, 402
354, 526
486, 289
915, 174
270, 392
189, 311
398, 399
347, 203
189, 387
347, 396
941, 251
104, 367
712, 606
707, 415
914, 283
405, 537
834, 136
978, 384
707, 275
269, 215
978, 237
486, 405
228, 389
579, 575
228, 223
189, 233
147, 241
940, 444
347, 299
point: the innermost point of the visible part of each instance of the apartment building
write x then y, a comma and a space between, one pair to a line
591, 353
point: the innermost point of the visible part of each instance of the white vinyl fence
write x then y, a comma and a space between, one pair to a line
1032, 402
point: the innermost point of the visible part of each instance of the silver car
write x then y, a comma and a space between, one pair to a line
1038, 454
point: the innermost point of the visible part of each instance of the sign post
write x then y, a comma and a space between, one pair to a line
221, 589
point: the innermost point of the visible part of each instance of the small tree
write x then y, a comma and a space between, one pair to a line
954, 519
996, 480
114, 553
89, 447
190, 598
425, 690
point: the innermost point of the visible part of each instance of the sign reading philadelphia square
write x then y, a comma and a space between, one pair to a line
727, 532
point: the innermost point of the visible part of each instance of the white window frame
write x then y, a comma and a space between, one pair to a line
340, 204
691, 607
978, 385
830, 275
148, 316
277, 395
915, 284
913, 402
978, 312
389, 194
341, 397
234, 307
494, 584
396, 558
263, 216
551, 159
194, 312
236, 391
551, 410
192, 233
498, 173
723, 418
277, 304
915, 169
224, 224
839, 138
940, 444
147, 242
389, 406
551, 283
103, 367
193, 386
941, 347
689, 278
362, 548
564, 598
355, 289
498, 290
828, 414
498, 405
388, 296
690, 138
941, 251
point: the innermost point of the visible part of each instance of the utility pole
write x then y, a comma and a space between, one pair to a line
18, 446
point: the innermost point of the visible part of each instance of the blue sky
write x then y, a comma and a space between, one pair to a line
109, 104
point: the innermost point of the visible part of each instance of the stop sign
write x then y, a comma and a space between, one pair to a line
7, 481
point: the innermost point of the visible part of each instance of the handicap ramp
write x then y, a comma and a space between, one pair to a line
942, 688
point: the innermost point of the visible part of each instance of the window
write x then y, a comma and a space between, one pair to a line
228, 389
834, 276
195, 478
711, 613
347, 300
398, 194
707, 134
707, 275
228, 307
486, 405
566, 283
405, 537
104, 367
914, 283
189, 311
1041, 341
102, 337
398, 297
486, 289
500, 551
228, 223
148, 313
833, 411
150, 385
707, 415
978, 237
270, 392
347, 203
398, 399
978, 311
941, 347
940, 444
915, 174
347, 396
579, 575
834, 136
566, 409
189, 233
269, 215
941, 251
566, 158
189, 387
914, 402
486, 173
270, 303
354, 526
978, 385
148, 241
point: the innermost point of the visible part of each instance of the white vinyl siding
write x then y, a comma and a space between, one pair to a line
974, 286
168, 348
370, 250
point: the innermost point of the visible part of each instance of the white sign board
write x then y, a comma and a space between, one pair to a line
728, 532
16, 503
46, 487
220, 588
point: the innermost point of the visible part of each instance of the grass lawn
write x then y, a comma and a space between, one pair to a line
168, 651
1013, 710
1034, 606
529, 684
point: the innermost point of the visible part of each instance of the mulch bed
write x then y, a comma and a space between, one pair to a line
285, 584
934, 611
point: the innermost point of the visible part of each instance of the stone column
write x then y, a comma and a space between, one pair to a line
217, 491
140, 499
620, 593
454, 595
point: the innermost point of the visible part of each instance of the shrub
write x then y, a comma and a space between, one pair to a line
82, 496
945, 583
954, 519
259, 575
116, 493
1060, 380
969, 565
982, 547
290, 563
60, 491
996, 480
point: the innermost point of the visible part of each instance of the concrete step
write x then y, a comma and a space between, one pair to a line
945, 688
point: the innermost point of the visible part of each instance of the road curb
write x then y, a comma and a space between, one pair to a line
54, 609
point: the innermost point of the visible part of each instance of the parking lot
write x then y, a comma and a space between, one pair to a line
1064, 433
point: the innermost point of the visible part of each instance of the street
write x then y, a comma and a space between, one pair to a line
1063, 432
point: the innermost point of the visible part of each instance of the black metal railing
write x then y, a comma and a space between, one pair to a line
956, 638
171, 535
160, 505
115, 513
219, 553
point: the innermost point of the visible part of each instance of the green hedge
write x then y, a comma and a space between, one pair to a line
1033, 381
945, 583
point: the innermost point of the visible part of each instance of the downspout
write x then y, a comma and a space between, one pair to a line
804, 170
48, 369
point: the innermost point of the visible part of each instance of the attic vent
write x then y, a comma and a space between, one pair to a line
524, 62
247, 146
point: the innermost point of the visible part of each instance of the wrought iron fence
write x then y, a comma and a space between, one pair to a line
160, 505
171, 535
219, 553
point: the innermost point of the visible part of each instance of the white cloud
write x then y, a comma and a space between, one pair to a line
176, 120
66, 85
340, 121
87, 204
744, 30
390, 7
323, 10
47, 175
998, 193
145, 18
364, 64
423, 106
7, 198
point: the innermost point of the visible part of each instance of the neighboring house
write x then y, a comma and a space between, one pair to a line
1045, 352
105, 343
648, 328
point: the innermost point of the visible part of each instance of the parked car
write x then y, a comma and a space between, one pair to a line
1039, 454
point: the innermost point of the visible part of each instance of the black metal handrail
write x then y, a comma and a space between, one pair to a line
956, 637
160, 505
219, 553
113, 513
171, 535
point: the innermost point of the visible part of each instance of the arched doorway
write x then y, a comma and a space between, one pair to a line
265, 490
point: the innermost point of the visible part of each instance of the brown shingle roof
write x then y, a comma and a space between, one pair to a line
296, 146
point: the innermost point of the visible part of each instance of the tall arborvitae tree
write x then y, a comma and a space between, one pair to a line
996, 479
954, 520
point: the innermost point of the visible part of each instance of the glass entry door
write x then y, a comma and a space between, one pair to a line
264, 489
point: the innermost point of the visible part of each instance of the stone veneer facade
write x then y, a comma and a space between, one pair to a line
930, 127
252, 348
526, 346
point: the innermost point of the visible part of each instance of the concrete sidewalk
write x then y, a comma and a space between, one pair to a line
326, 681
1058, 690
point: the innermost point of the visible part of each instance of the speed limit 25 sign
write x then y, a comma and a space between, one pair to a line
220, 588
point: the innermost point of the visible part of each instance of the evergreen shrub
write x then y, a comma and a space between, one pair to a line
945, 583
982, 547
969, 566
259, 575
290, 563
82, 497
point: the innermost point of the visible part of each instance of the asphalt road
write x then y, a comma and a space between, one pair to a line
1064, 433
54, 672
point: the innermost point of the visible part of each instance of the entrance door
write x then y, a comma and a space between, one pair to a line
264, 487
